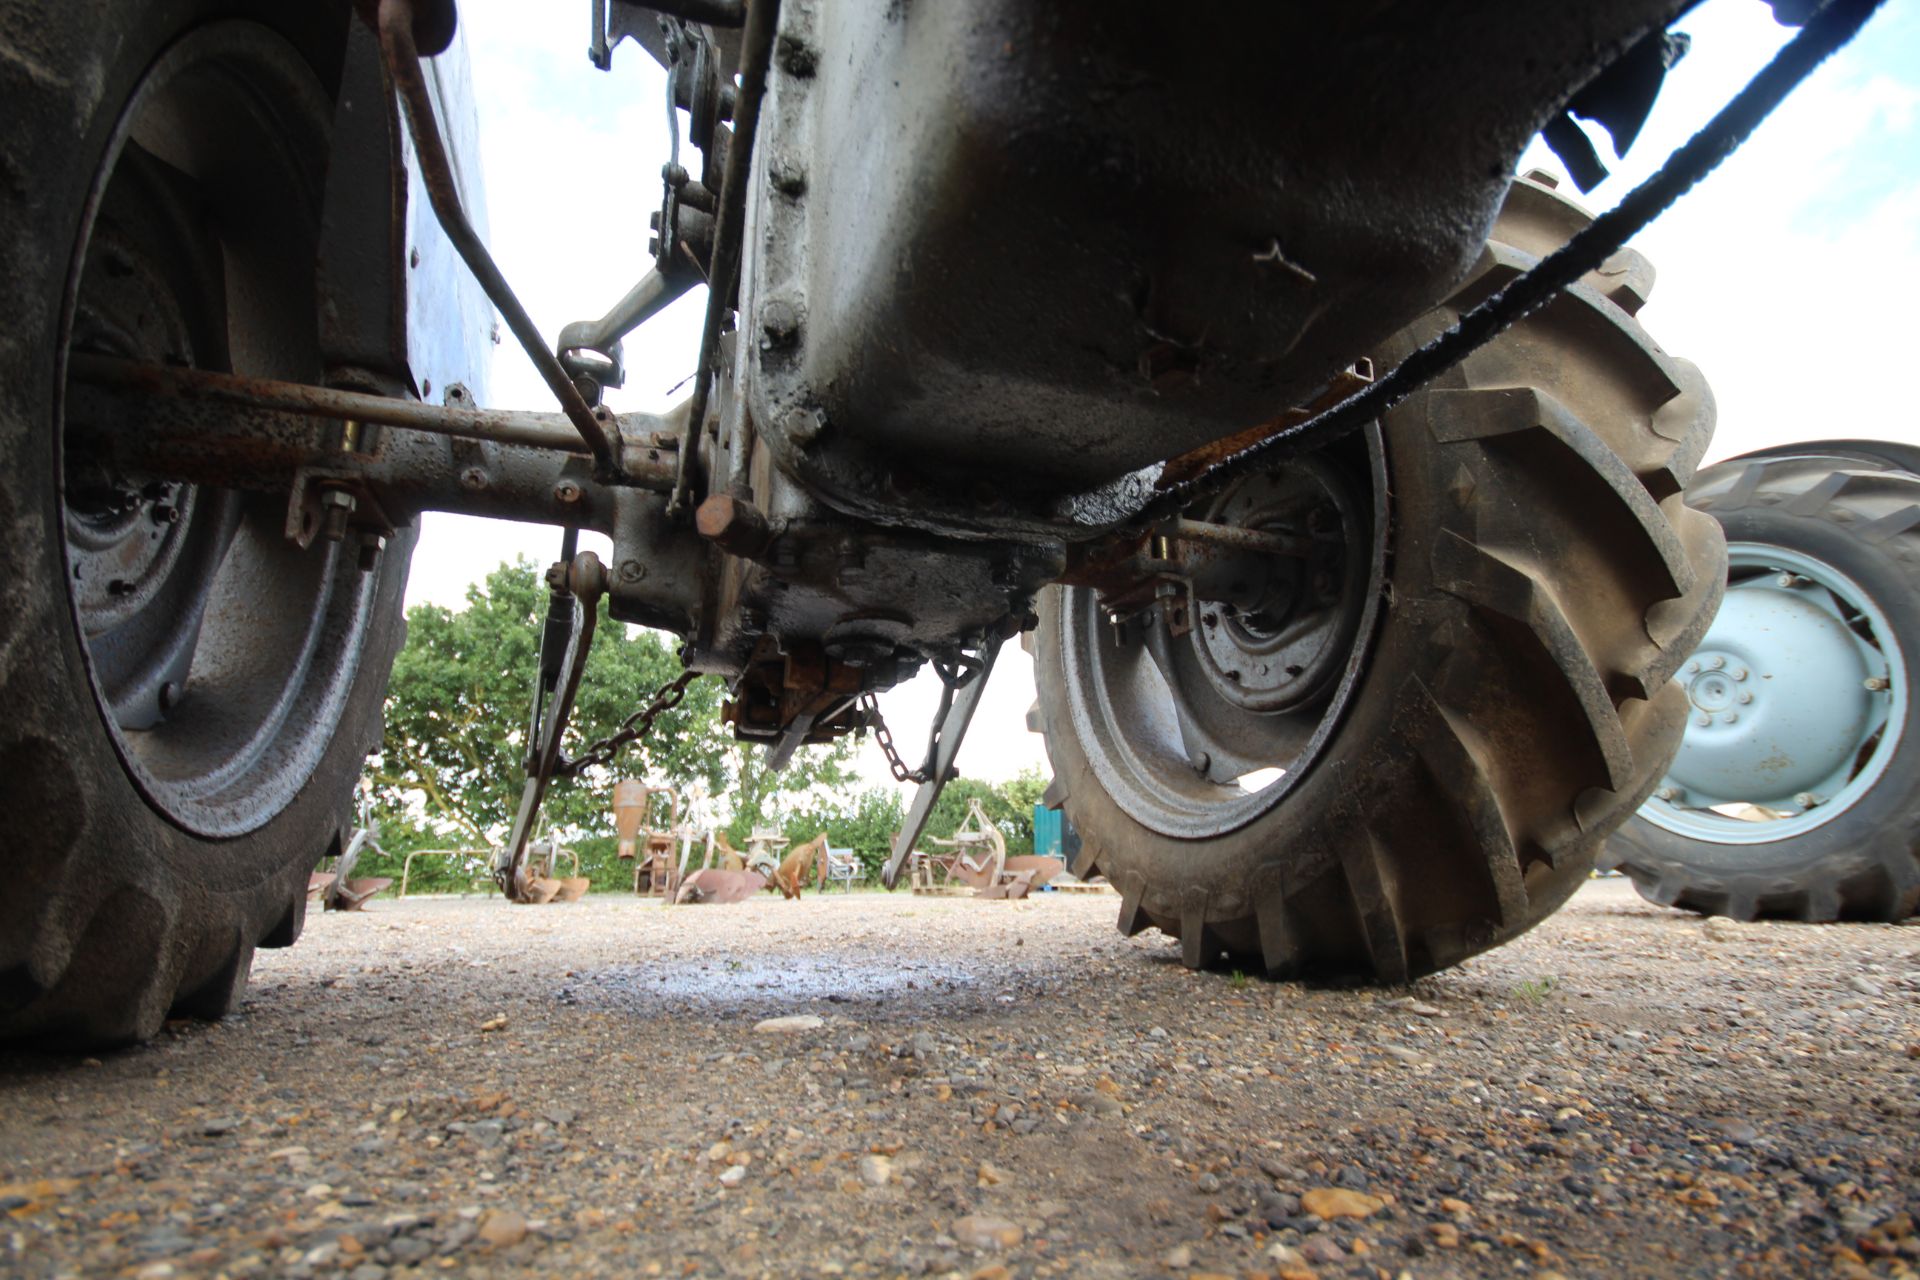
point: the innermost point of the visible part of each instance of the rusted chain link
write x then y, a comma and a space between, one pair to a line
632, 729
878, 723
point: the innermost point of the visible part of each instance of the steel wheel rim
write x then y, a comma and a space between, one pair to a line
1122, 704
1682, 806
222, 664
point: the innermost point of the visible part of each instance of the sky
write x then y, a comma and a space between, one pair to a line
1790, 275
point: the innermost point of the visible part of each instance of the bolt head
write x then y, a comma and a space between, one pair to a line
474, 479
1731, 717
1667, 793
566, 491
632, 571
1201, 762
1718, 663
1877, 684
1746, 696
1740, 673
1703, 720
1806, 800
1786, 580
1693, 668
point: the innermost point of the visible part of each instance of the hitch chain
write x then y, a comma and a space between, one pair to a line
955, 674
878, 723
632, 729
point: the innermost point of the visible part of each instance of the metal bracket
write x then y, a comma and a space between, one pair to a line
945, 748
587, 580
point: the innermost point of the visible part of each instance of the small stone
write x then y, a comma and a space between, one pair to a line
1178, 1258
1285, 1255
994, 1272
983, 1231
791, 1024
989, 1174
1339, 1202
876, 1171
1865, 986
735, 1175
495, 1024
1719, 929
1322, 1250
409, 1250
501, 1228
1734, 1129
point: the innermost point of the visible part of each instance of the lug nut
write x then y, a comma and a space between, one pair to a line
1718, 662
1731, 717
1806, 800
1703, 720
1693, 668
1740, 673
1746, 696
1668, 794
1878, 684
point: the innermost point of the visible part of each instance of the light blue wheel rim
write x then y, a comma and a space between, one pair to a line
1801, 722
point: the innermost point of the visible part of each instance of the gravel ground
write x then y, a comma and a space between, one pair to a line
457, 1087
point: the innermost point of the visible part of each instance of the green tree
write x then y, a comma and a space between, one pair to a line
450, 768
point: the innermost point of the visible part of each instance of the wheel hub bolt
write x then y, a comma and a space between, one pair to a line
1878, 684
1668, 794
1739, 673
1718, 663
1806, 800
1746, 696
1703, 720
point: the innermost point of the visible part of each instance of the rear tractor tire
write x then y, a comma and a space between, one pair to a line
1412, 744
189, 696
1797, 792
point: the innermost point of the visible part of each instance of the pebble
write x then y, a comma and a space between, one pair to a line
733, 1175
501, 1228
875, 1171
789, 1024
984, 1231
1178, 1258
1339, 1202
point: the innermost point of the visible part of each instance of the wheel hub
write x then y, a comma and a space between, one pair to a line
1279, 636
1790, 695
1197, 730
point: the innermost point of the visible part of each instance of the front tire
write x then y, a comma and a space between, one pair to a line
189, 696
1505, 699
1806, 807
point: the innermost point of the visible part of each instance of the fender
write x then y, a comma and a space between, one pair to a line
399, 312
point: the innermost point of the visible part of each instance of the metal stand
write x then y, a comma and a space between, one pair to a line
940, 757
